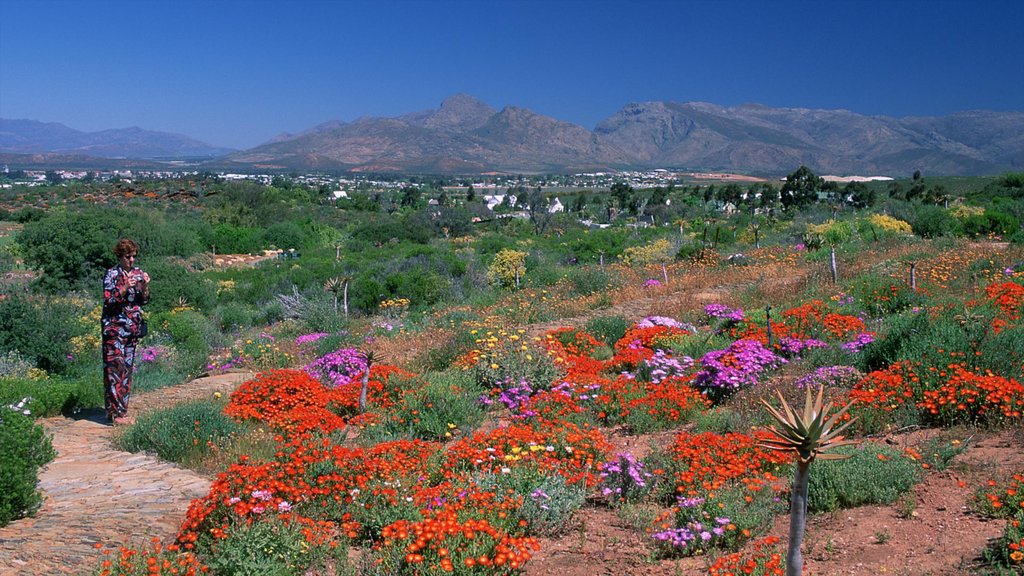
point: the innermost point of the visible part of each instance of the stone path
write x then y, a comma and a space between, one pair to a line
94, 493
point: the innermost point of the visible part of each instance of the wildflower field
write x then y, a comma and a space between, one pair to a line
506, 401
500, 462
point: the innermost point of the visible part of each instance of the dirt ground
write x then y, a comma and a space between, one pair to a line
932, 532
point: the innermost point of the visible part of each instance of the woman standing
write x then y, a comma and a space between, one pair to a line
125, 290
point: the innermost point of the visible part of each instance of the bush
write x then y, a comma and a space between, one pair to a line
181, 433
233, 316
273, 546
608, 329
874, 474
437, 410
73, 248
588, 280
548, 499
51, 396
24, 448
191, 332
38, 330
720, 420
172, 284
933, 221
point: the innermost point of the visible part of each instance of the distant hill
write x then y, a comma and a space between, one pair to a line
465, 136
32, 137
757, 138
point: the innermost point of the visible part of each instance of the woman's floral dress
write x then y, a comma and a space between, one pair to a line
122, 323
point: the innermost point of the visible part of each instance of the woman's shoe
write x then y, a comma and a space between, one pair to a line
124, 421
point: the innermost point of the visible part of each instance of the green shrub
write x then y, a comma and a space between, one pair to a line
192, 333
874, 474
233, 316
271, 546
171, 285
934, 221
24, 448
608, 329
180, 433
720, 420
549, 502
588, 280
74, 247
697, 345
880, 295
52, 396
40, 330
155, 375
438, 409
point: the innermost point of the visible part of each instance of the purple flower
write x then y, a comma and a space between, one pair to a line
723, 312
337, 368
738, 366
795, 347
651, 283
309, 338
858, 343
624, 476
664, 366
652, 321
832, 376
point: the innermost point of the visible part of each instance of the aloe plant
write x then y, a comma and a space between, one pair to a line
808, 434
336, 285
370, 356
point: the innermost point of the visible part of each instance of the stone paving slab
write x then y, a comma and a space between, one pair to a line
94, 493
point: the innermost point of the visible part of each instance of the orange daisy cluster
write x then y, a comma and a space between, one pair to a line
843, 326
156, 559
671, 400
887, 389
443, 543
1006, 500
288, 399
971, 397
1009, 297
567, 342
763, 559
707, 461
638, 345
305, 472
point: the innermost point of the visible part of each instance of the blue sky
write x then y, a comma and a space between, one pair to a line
235, 73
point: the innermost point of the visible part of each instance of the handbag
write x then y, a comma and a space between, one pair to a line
143, 329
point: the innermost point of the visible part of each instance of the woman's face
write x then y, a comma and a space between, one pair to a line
127, 261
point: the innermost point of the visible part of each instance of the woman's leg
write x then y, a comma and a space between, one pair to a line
116, 376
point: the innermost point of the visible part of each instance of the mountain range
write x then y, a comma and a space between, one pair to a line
466, 136
33, 137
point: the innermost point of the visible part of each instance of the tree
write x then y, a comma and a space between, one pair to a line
54, 177
470, 193
580, 204
623, 194
537, 207
801, 188
410, 196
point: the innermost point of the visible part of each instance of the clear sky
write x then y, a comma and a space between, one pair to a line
238, 72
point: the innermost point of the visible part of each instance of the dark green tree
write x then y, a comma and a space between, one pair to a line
801, 188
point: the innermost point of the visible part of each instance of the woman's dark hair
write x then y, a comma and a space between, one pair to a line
124, 247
